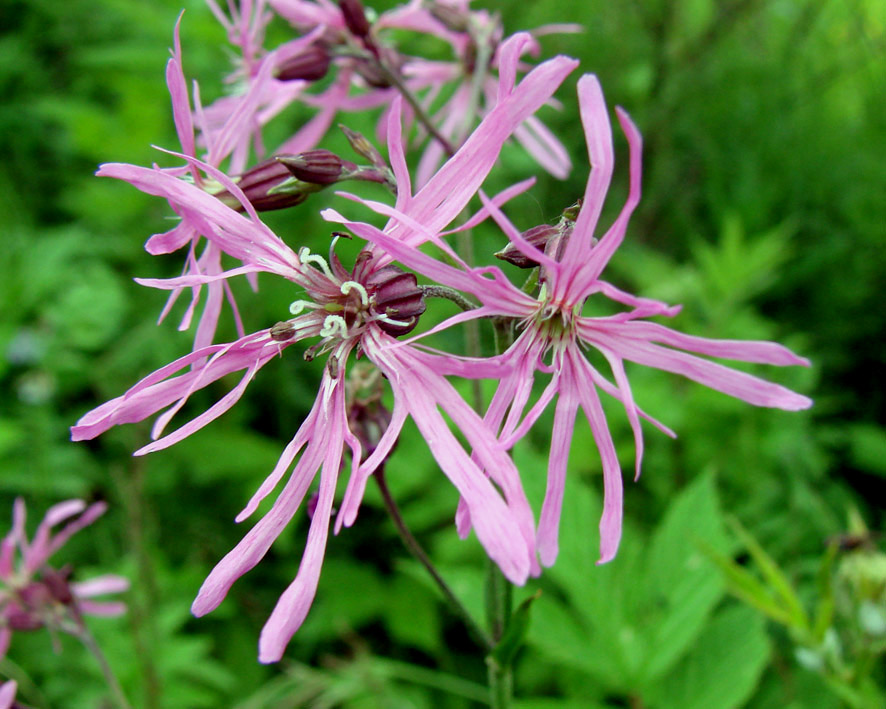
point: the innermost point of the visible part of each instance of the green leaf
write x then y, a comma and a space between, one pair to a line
682, 585
747, 587
723, 667
515, 633
867, 447
774, 577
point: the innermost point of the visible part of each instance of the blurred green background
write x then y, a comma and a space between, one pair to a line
763, 213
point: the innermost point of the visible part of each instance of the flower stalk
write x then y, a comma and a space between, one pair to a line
480, 636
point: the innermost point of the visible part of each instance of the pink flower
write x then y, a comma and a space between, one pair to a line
554, 333
473, 35
7, 694
32, 594
348, 310
226, 130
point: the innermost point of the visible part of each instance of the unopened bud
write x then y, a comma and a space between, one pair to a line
361, 146
355, 17
538, 236
368, 421
261, 185
310, 65
376, 72
318, 167
452, 18
397, 297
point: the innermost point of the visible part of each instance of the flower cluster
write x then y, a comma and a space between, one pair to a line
361, 310
33, 595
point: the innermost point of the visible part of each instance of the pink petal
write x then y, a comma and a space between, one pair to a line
610, 522
591, 268
294, 604
729, 381
100, 585
561, 439
598, 134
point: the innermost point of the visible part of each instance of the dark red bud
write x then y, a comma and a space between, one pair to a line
452, 18
398, 297
258, 182
19, 619
376, 76
368, 421
58, 586
318, 167
538, 236
355, 17
310, 65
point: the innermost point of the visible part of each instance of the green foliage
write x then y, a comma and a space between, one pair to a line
762, 213
646, 628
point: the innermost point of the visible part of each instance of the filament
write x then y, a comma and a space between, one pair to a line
305, 256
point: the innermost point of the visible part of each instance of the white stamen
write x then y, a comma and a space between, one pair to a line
391, 321
305, 256
334, 324
348, 286
298, 306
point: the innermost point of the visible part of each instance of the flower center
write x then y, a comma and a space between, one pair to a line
346, 303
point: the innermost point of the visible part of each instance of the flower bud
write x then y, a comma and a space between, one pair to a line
538, 236
376, 72
363, 148
355, 17
310, 65
452, 18
398, 297
368, 421
259, 183
318, 167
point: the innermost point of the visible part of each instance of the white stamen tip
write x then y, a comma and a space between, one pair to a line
305, 256
334, 324
348, 286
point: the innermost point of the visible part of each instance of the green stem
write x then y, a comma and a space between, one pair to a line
481, 37
394, 78
449, 294
498, 614
501, 685
419, 553
89, 642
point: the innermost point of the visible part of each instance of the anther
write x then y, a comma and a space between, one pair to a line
332, 366
311, 352
282, 331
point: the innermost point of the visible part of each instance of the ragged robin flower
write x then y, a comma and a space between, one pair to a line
349, 311
34, 595
554, 333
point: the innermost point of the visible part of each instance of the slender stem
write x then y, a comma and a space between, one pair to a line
394, 78
89, 642
501, 685
434, 679
142, 608
499, 592
498, 614
449, 294
419, 553
481, 37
